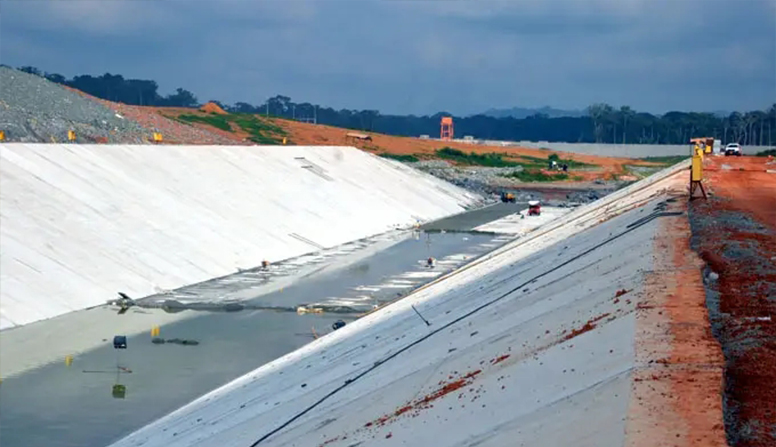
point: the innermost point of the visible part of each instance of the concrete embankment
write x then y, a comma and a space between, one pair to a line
81, 222
566, 336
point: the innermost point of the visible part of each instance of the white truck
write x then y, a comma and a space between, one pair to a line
733, 149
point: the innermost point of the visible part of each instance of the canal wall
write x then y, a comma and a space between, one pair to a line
81, 222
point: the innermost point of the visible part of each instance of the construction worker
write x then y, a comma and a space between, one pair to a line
430, 262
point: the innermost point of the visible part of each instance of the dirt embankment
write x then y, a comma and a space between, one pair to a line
734, 231
317, 134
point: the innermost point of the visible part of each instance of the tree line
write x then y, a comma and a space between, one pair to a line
602, 123
115, 88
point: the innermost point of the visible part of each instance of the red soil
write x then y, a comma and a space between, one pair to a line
212, 107
743, 254
317, 134
677, 384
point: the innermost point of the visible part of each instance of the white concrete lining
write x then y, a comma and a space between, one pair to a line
556, 371
81, 222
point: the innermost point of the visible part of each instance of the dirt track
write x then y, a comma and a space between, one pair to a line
734, 231
310, 134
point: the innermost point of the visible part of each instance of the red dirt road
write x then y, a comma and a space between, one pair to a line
317, 134
734, 231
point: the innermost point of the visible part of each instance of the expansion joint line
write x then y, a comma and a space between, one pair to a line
633, 226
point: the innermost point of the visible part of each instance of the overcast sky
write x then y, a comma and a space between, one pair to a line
419, 56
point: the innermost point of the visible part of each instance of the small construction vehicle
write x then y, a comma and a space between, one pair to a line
534, 208
507, 197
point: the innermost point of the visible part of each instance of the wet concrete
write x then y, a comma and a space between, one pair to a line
61, 405
472, 219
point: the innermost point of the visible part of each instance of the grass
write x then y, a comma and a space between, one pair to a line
260, 131
666, 161
766, 153
492, 159
531, 165
542, 162
400, 157
217, 121
538, 176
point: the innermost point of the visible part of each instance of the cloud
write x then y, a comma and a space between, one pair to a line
416, 56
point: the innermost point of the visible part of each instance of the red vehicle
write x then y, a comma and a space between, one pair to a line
534, 209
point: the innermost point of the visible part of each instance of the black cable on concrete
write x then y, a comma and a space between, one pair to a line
640, 222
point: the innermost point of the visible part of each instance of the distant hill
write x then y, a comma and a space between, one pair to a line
521, 112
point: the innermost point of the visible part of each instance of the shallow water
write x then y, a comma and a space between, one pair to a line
59, 405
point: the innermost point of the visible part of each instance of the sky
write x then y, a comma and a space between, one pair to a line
418, 56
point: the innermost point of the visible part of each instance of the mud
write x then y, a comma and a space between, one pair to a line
734, 231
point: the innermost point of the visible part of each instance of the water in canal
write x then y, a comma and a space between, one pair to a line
107, 393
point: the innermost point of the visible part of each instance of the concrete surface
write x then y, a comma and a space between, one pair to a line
471, 219
36, 407
521, 223
81, 222
527, 345
36, 344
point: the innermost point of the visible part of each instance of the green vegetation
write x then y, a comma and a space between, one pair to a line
261, 131
771, 152
537, 176
541, 162
400, 157
666, 161
495, 160
492, 160
217, 121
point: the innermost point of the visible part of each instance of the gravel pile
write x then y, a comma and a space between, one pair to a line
33, 109
483, 180
490, 183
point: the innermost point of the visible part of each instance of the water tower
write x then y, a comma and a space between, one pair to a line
446, 132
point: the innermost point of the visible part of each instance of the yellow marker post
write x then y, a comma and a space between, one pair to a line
157, 137
285, 140
155, 331
696, 175
70, 135
2, 135
697, 168
68, 360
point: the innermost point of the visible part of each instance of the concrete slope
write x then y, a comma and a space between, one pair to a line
532, 345
81, 222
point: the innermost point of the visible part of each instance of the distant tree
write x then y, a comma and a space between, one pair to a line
599, 113
626, 113
243, 107
181, 98
56, 77
31, 70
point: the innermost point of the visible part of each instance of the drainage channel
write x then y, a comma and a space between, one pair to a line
70, 404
